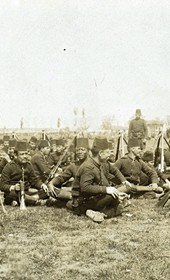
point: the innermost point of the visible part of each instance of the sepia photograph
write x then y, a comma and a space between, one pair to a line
84, 139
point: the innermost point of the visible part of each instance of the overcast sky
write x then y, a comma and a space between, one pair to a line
106, 56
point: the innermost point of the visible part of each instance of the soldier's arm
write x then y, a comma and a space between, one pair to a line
63, 177
150, 172
34, 180
116, 172
5, 179
41, 165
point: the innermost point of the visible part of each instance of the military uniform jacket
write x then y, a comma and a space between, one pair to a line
92, 178
138, 129
68, 173
41, 166
12, 174
133, 168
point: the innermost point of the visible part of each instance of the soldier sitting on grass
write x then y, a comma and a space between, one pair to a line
68, 175
20, 170
132, 167
92, 193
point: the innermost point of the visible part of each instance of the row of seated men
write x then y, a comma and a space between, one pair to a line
88, 183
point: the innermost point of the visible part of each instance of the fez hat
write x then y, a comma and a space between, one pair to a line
21, 146
138, 111
100, 144
148, 156
6, 138
33, 139
82, 142
43, 144
12, 143
133, 142
60, 141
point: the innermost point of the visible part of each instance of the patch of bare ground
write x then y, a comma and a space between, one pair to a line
50, 243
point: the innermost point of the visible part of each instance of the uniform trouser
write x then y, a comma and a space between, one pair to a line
30, 197
104, 203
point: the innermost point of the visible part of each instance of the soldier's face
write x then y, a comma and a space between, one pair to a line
138, 115
53, 147
46, 150
32, 145
104, 155
59, 148
81, 153
11, 150
22, 156
6, 143
137, 151
112, 155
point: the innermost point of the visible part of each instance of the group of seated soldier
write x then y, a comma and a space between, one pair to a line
87, 180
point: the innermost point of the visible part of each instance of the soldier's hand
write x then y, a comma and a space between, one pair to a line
112, 191
166, 186
51, 189
154, 185
127, 183
44, 187
15, 187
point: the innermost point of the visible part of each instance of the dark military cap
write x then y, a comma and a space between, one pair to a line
12, 143
33, 139
21, 146
6, 138
138, 111
148, 156
82, 142
100, 144
43, 144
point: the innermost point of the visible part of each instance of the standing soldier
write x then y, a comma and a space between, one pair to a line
138, 129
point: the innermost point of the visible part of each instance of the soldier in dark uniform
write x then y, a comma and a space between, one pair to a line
32, 146
91, 189
6, 141
132, 166
82, 148
138, 129
1, 144
18, 170
39, 160
54, 157
9, 155
53, 145
164, 182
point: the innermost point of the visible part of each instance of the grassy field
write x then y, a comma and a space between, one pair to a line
49, 243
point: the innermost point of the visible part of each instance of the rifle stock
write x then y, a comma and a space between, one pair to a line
163, 201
